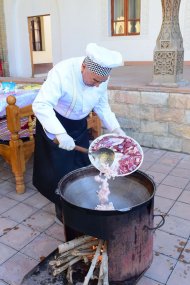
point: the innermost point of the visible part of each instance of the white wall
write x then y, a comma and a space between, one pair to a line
92, 25
184, 21
75, 23
45, 56
16, 14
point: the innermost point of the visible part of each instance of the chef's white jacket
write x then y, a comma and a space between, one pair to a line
65, 92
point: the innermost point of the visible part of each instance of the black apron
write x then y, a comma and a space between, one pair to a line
51, 163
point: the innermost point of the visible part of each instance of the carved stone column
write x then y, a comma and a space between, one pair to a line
169, 52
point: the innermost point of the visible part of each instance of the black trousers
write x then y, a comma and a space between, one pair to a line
51, 163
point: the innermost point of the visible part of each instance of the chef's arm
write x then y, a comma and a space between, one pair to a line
43, 107
108, 118
45, 101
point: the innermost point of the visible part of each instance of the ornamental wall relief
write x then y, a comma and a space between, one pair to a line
169, 52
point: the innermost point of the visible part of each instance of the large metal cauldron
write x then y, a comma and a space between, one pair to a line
127, 229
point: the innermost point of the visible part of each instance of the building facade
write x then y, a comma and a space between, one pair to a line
76, 23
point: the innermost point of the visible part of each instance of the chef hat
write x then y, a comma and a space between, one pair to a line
101, 60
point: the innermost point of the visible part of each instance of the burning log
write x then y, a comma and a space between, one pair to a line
105, 265
86, 248
103, 272
93, 263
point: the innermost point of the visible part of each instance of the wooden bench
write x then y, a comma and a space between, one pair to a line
18, 150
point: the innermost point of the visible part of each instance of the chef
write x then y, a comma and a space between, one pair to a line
74, 87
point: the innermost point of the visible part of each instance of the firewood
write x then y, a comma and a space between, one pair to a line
73, 243
76, 252
101, 275
83, 252
65, 260
93, 263
80, 246
85, 248
70, 275
60, 261
88, 244
53, 262
70, 263
105, 264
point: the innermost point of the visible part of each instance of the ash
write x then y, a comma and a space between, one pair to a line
41, 275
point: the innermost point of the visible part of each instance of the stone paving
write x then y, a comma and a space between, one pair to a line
28, 232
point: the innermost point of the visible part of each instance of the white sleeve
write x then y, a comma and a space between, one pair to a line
103, 110
46, 100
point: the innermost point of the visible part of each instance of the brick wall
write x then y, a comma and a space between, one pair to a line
154, 119
3, 41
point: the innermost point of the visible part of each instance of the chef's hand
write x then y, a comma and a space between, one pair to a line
65, 141
119, 132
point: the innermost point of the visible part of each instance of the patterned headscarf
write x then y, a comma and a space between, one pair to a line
96, 68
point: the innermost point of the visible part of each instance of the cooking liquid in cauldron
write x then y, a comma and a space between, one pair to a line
125, 192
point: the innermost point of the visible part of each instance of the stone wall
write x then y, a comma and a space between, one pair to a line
154, 119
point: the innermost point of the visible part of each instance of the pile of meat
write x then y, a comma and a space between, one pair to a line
104, 191
128, 155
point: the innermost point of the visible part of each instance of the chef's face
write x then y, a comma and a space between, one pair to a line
90, 78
